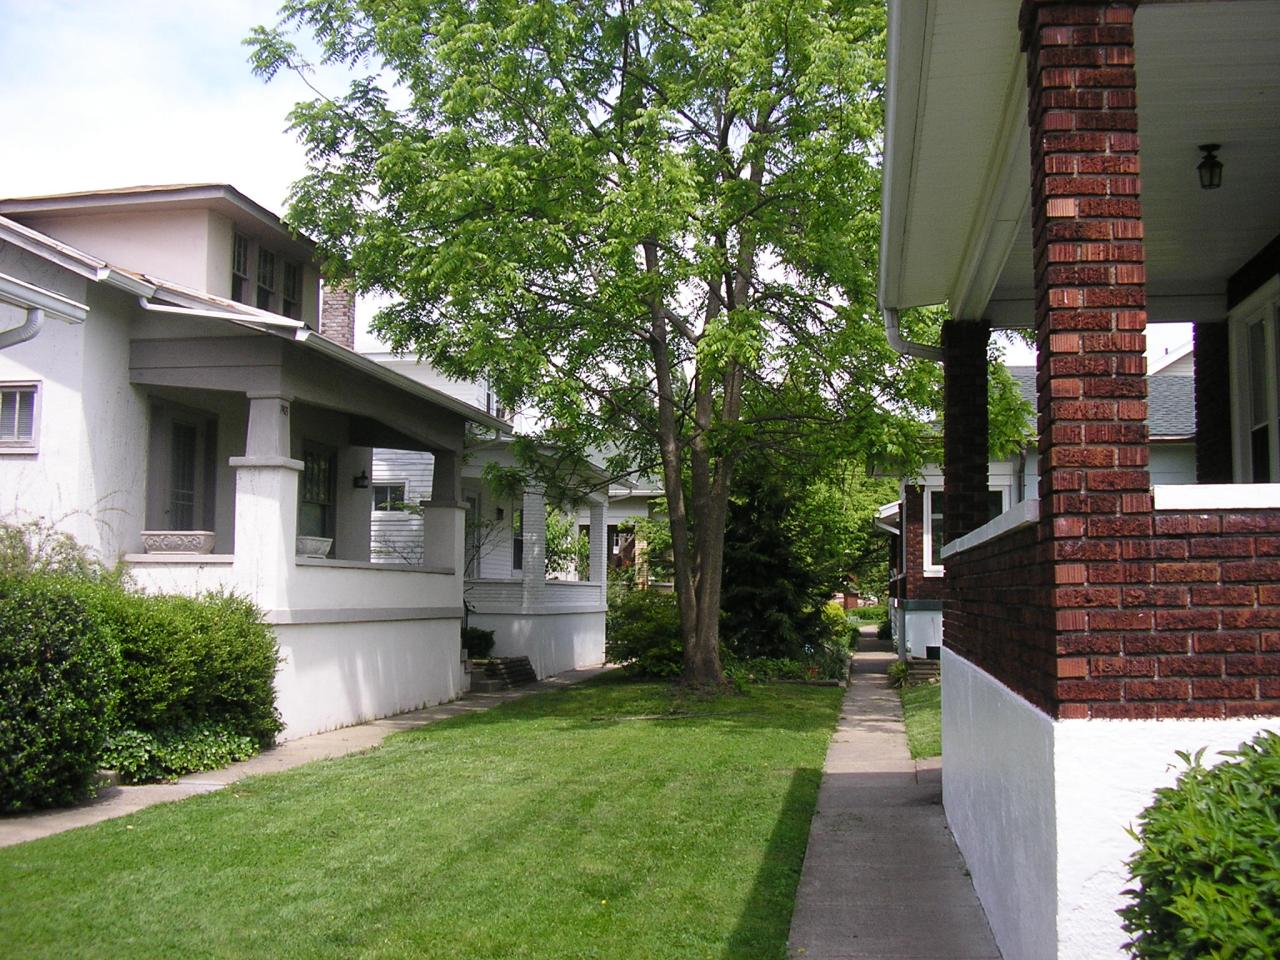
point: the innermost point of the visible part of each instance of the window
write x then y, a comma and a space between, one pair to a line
1255, 344
266, 278
933, 537
184, 454
291, 301
517, 539
240, 268
18, 417
181, 468
389, 497
316, 496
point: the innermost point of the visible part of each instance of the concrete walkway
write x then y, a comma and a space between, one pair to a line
882, 876
120, 801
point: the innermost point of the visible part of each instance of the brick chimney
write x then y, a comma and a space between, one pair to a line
338, 314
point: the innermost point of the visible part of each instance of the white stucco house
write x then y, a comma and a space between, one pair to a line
167, 397
556, 620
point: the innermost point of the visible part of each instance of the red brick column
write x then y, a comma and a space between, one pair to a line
965, 442
1096, 506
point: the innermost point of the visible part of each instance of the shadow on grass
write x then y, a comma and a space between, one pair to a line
613, 698
762, 929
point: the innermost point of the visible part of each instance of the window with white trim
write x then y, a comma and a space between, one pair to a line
1254, 331
18, 410
240, 268
389, 496
997, 503
291, 296
266, 279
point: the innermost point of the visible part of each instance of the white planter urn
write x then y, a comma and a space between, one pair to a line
178, 541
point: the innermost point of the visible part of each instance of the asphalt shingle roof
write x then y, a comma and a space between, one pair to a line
1171, 408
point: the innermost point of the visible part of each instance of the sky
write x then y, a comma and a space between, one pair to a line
113, 93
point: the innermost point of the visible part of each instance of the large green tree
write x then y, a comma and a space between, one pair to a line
623, 213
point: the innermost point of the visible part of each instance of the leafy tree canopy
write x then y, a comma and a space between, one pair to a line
656, 221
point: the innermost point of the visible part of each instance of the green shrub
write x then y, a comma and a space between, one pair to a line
187, 661
885, 630
1207, 874
874, 614
146, 757
478, 643
899, 673
642, 634
57, 688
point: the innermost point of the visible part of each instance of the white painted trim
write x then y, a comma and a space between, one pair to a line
23, 294
1216, 496
370, 565
287, 463
161, 559
1020, 515
361, 615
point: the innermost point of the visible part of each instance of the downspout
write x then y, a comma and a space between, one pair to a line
28, 330
906, 347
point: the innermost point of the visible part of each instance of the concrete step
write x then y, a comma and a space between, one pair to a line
502, 673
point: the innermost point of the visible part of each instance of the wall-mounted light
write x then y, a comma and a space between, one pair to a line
361, 482
1210, 168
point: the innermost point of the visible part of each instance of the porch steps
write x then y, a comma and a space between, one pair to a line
502, 673
920, 670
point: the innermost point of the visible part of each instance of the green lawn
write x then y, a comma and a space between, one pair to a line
922, 707
610, 820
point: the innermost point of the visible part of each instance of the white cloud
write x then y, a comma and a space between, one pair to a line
119, 93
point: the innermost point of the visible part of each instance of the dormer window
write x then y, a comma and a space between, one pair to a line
266, 278
240, 269
291, 301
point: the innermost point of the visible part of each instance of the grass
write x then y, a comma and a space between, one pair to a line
922, 708
610, 820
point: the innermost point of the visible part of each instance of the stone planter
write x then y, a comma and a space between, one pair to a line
178, 541
316, 547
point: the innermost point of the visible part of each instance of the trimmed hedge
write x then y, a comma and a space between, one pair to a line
59, 674
1207, 874
187, 661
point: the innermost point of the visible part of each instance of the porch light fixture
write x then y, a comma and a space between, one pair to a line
1210, 168
361, 482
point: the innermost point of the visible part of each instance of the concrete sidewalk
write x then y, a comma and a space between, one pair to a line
882, 876
119, 801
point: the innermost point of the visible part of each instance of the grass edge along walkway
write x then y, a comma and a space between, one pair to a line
559, 825
922, 713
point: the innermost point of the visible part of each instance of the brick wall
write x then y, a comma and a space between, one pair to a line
916, 586
999, 614
1213, 404
964, 351
338, 315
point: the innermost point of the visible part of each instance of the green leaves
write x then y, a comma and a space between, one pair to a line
1207, 875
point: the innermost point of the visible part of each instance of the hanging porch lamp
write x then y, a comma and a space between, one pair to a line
1210, 167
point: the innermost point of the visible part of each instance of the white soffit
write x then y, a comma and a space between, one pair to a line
1206, 73
953, 66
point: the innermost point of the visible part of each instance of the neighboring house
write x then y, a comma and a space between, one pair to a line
1094, 630
557, 621
165, 398
915, 559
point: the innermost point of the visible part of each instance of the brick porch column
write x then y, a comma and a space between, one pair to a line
1213, 404
964, 444
1096, 505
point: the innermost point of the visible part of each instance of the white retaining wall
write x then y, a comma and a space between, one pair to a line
1039, 808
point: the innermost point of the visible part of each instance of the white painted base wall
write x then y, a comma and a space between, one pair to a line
1039, 808
553, 642
337, 674
922, 628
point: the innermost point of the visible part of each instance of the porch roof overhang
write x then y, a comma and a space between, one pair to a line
886, 518
955, 203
